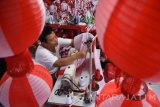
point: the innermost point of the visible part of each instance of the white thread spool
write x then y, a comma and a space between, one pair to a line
82, 82
68, 99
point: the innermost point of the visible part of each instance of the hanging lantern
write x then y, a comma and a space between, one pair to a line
21, 22
112, 96
128, 33
24, 84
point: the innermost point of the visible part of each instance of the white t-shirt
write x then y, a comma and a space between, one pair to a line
47, 58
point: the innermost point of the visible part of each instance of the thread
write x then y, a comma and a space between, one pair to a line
93, 84
97, 74
68, 99
82, 82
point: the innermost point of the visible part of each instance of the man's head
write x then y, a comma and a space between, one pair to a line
48, 37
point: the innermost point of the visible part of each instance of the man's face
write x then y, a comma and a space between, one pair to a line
52, 40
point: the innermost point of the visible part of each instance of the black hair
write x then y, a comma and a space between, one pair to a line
46, 31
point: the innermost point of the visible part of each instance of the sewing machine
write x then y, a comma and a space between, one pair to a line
75, 86
68, 77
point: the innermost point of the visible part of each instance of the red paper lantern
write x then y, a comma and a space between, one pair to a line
21, 22
24, 84
128, 33
111, 96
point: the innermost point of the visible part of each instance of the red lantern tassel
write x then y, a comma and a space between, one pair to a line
20, 64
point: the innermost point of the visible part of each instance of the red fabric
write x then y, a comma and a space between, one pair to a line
97, 74
59, 73
21, 94
49, 2
20, 64
93, 46
109, 72
93, 84
153, 99
130, 103
57, 26
131, 85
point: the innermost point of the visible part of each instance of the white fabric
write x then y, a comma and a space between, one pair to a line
53, 8
40, 88
64, 6
79, 43
146, 104
4, 46
64, 42
80, 39
46, 58
4, 92
115, 101
50, 19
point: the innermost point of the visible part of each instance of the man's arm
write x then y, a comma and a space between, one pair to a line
72, 42
65, 42
68, 60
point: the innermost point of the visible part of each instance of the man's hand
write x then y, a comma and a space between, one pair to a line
68, 60
82, 54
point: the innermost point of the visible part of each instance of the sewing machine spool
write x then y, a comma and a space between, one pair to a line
82, 82
68, 99
97, 76
95, 86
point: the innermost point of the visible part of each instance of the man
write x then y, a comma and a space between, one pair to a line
47, 53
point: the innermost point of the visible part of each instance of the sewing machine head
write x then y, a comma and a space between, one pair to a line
68, 77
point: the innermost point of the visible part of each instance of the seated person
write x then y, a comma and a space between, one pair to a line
47, 53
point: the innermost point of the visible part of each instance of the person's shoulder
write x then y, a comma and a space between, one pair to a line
59, 38
41, 50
